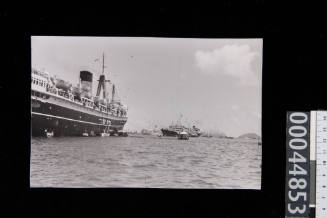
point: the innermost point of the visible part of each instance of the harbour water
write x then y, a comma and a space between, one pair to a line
147, 161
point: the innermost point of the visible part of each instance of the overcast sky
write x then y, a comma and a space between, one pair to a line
214, 83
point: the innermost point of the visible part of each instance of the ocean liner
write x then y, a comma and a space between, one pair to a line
61, 109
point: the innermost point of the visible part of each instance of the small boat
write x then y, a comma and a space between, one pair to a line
122, 133
49, 134
183, 135
104, 134
192, 134
85, 134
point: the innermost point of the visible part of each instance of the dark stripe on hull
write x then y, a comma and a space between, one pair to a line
67, 122
62, 127
166, 132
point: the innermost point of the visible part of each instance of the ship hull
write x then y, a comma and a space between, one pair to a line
195, 134
63, 120
167, 132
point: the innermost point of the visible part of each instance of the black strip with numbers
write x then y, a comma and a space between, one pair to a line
297, 183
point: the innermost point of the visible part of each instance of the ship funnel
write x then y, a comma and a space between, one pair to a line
86, 79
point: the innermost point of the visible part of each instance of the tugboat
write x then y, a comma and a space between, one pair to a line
194, 131
105, 132
48, 134
122, 133
183, 135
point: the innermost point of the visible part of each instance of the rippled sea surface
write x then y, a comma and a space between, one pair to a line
150, 161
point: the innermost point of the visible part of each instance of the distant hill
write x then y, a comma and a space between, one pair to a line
249, 136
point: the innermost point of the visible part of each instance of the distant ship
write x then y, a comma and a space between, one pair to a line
172, 130
175, 129
194, 131
60, 109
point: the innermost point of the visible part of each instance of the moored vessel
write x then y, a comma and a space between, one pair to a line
172, 130
66, 110
175, 129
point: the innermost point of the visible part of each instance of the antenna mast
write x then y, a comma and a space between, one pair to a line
102, 81
102, 63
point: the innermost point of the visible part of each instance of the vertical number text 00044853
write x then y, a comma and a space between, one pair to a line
297, 160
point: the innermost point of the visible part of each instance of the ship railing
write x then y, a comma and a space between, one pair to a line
51, 89
77, 101
39, 82
103, 108
36, 72
61, 93
87, 103
69, 96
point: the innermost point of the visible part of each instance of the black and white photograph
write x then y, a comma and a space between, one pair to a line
146, 112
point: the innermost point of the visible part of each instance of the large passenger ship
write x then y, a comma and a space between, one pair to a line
61, 109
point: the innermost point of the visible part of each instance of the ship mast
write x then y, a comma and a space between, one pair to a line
103, 64
102, 80
180, 119
104, 85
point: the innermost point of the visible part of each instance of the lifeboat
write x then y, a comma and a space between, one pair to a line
61, 84
86, 95
103, 101
76, 91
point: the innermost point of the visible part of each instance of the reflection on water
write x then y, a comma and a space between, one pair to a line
145, 162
